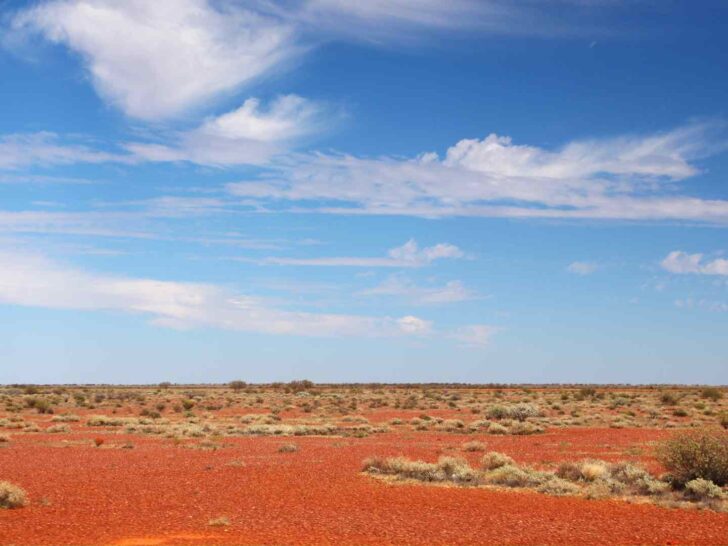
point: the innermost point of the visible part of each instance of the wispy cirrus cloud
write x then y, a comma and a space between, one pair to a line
402, 287
627, 178
582, 268
36, 281
407, 255
683, 263
474, 335
41, 149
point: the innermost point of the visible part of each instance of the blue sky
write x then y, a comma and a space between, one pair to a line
396, 190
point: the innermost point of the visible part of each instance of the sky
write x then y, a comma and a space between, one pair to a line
391, 191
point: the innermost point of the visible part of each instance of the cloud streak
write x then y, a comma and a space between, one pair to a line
627, 178
35, 281
407, 255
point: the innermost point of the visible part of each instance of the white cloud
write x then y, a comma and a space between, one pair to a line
21, 150
475, 335
407, 255
33, 280
582, 268
619, 178
249, 135
704, 304
683, 263
396, 285
155, 59
414, 325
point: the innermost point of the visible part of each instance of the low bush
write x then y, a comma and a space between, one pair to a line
696, 454
493, 460
700, 489
711, 393
288, 448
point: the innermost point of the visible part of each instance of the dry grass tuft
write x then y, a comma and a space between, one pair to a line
12, 496
288, 448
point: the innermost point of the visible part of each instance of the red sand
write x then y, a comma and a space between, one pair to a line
159, 493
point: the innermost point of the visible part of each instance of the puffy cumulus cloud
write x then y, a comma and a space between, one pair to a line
618, 178
34, 280
407, 255
157, 59
414, 325
582, 268
250, 134
683, 263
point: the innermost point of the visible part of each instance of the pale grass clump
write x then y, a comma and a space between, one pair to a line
496, 428
494, 459
593, 470
222, 521
288, 448
12, 496
106, 421
4, 438
473, 446
446, 469
558, 487
66, 418
58, 429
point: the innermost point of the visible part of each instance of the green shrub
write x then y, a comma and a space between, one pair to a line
711, 393
696, 454
700, 489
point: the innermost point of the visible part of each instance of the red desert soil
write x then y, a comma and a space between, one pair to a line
162, 493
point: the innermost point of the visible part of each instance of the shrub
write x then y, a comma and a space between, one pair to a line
66, 418
569, 471
711, 393
593, 470
493, 460
12, 496
497, 428
723, 419
497, 412
696, 454
56, 429
520, 429
512, 476
4, 438
700, 489
519, 412
558, 487
237, 385
288, 448
446, 469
